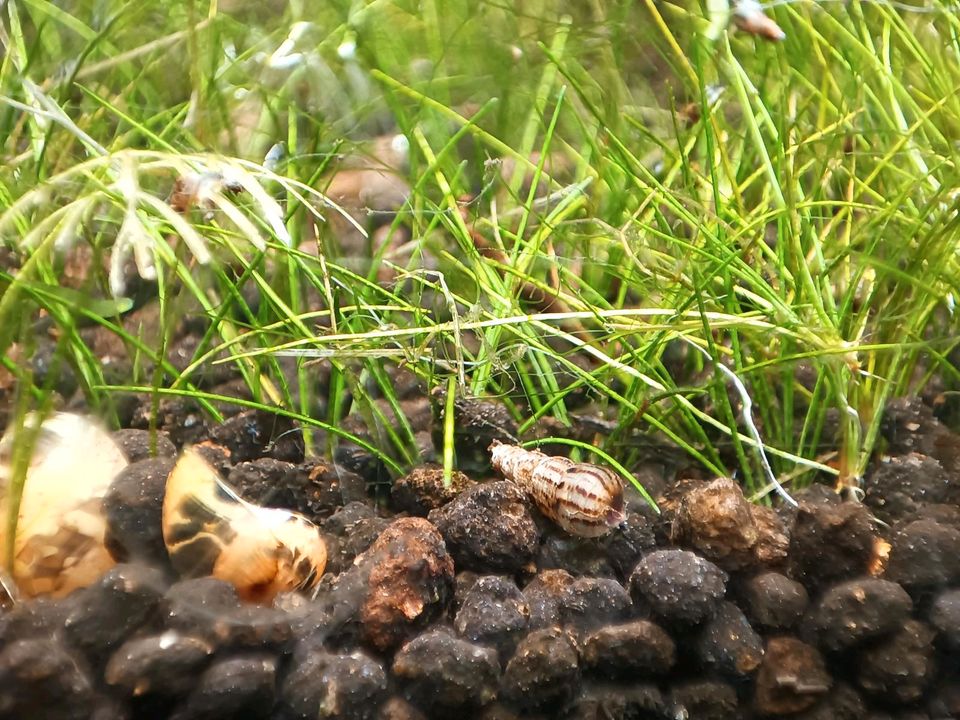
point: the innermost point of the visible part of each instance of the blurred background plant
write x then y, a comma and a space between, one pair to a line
550, 204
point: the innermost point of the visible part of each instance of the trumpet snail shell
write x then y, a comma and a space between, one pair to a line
210, 530
583, 499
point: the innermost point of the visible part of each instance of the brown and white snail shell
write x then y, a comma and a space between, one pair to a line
583, 499
59, 543
210, 530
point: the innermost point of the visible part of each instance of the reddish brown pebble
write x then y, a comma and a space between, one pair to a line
792, 677
410, 582
716, 520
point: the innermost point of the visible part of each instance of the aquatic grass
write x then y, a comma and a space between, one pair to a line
614, 210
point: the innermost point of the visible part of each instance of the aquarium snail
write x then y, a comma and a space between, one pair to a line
207, 528
210, 530
583, 499
59, 542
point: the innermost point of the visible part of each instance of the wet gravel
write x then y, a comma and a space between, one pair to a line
462, 601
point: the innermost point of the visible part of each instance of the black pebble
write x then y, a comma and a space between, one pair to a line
41, 679
773, 601
728, 644
442, 673
628, 650
678, 586
945, 617
494, 613
326, 685
165, 664
592, 602
134, 509
925, 556
544, 672
242, 687
139, 445
488, 528
120, 602
899, 668
858, 610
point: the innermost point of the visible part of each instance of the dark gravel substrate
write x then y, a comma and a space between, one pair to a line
464, 602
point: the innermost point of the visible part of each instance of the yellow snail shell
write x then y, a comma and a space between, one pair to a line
210, 530
583, 499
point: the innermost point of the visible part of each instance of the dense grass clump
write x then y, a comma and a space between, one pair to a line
615, 207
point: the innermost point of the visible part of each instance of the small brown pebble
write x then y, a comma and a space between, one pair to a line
628, 650
165, 664
488, 528
628, 542
900, 667
678, 586
410, 582
728, 644
494, 613
423, 489
543, 674
773, 601
715, 519
857, 610
830, 541
773, 538
396, 708
792, 677
443, 674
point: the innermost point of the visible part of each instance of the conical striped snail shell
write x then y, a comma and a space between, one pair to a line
583, 499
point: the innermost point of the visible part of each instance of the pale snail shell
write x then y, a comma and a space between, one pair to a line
583, 499
59, 544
